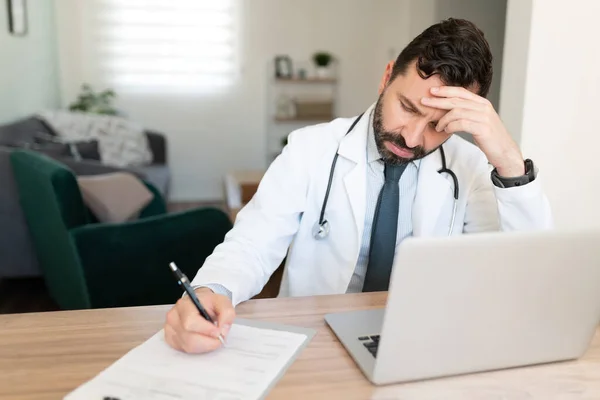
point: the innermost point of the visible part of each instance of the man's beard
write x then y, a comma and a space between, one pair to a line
382, 136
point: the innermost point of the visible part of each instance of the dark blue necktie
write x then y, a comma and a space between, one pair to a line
384, 231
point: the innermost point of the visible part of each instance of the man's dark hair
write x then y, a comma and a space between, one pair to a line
454, 49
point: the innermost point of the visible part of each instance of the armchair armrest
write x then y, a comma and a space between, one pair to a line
128, 264
158, 146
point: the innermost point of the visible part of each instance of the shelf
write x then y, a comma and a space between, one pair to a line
306, 80
301, 119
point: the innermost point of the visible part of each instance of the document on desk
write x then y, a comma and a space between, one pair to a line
255, 357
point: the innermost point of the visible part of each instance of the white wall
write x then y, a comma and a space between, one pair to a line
559, 117
490, 17
514, 71
209, 135
422, 14
28, 77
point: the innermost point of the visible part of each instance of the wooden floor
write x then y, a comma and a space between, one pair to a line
30, 294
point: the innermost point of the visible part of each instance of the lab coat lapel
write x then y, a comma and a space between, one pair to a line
433, 190
353, 148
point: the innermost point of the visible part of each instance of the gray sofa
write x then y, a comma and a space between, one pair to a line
17, 257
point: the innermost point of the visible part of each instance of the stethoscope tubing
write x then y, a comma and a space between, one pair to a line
321, 230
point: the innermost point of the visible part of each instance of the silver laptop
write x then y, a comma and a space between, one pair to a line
477, 303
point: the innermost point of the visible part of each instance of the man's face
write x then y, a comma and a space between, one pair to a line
404, 128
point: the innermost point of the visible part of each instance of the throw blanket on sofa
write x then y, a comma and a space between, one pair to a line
121, 142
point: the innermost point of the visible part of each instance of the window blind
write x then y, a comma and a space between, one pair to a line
166, 45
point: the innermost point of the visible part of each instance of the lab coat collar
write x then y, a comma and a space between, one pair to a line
353, 145
433, 189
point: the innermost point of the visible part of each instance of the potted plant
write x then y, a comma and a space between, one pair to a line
92, 102
322, 60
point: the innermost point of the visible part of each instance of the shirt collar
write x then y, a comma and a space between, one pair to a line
372, 152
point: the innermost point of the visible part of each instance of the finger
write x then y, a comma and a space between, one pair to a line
459, 113
449, 103
171, 338
173, 319
173, 324
225, 314
192, 321
189, 342
194, 343
463, 125
457, 91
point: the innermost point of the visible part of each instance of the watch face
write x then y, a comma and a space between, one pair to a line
529, 170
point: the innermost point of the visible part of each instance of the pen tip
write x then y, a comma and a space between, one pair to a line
173, 266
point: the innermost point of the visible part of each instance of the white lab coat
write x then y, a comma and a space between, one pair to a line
288, 201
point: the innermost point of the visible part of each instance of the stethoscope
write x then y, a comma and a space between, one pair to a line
322, 228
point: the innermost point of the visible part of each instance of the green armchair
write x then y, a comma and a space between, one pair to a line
96, 265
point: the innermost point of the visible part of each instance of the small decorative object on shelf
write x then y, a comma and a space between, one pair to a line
301, 69
322, 61
309, 109
285, 108
283, 67
298, 96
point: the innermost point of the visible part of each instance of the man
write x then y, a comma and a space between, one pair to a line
384, 187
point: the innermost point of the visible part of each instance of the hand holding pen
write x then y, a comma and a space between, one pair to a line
189, 326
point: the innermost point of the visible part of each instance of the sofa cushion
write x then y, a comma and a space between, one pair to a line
116, 197
79, 150
54, 150
23, 131
86, 150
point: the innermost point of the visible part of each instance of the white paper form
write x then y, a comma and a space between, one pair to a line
251, 361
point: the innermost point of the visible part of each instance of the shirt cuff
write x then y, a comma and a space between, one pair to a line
216, 288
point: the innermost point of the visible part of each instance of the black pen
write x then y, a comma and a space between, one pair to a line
184, 282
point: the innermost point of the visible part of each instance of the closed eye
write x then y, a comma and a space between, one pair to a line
409, 106
408, 109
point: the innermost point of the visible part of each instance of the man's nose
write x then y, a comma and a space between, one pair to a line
413, 133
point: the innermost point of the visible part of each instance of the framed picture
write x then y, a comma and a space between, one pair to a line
17, 17
283, 67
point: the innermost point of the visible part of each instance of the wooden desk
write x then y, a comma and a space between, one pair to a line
45, 356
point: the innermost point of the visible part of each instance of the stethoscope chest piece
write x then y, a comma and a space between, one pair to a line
321, 230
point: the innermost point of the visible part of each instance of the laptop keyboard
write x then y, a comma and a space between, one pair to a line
371, 343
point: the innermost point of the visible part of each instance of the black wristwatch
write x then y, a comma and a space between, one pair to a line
503, 182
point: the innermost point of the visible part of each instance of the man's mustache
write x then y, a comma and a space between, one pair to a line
399, 141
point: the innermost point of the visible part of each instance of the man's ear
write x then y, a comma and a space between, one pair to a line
385, 79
